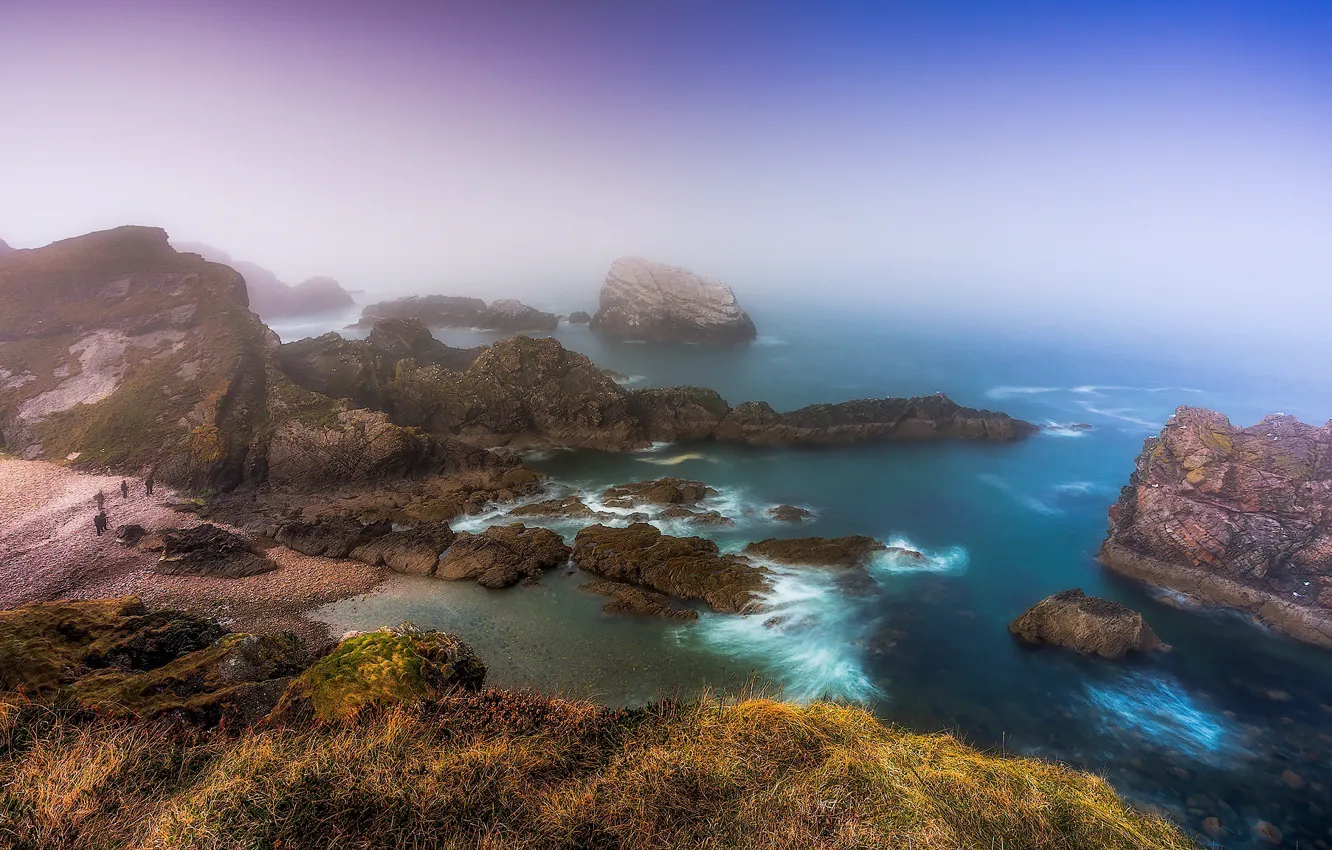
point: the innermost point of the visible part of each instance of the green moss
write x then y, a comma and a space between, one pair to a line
43, 643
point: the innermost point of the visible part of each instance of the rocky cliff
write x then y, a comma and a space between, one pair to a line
450, 311
4, 247
117, 351
1240, 517
270, 297
660, 303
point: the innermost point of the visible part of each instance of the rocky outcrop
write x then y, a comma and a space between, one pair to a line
788, 513
678, 414
270, 297
660, 303
5, 249
125, 354
1240, 517
579, 317
448, 311
570, 507
687, 568
412, 551
1089, 624
502, 555
657, 491
207, 550
868, 420
627, 599
332, 537
854, 550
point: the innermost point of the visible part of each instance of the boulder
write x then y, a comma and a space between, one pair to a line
687, 568
130, 535
657, 491
503, 555
213, 552
393, 666
636, 601
660, 303
332, 537
414, 551
854, 550
570, 507
578, 317
1237, 517
1089, 624
789, 513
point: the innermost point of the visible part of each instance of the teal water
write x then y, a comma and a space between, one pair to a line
1205, 730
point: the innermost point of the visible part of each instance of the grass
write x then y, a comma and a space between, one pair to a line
503, 769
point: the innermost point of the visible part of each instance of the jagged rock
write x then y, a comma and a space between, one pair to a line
579, 317
628, 599
688, 568
867, 420
237, 680
414, 551
270, 297
48, 645
657, 491
393, 666
854, 550
332, 537
570, 507
678, 414
1089, 624
502, 555
789, 513
448, 311
207, 550
130, 535
131, 356
660, 303
1233, 516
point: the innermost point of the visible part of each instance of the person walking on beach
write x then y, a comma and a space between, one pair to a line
99, 522
124, 489
149, 484
100, 499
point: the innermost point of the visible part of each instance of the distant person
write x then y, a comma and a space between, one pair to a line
149, 484
99, 522
124, 489
100, 499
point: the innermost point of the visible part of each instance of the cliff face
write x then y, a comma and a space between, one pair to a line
121, 352
1241, 517
661, 303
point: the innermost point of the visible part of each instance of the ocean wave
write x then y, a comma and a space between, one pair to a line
672, 461
901, 558
1159, 709
657, 446
1077, 487
1123, 414
769, 341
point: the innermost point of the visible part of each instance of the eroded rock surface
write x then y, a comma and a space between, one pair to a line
854, 550
661, 303
1089, 624
1240, 517
414, 551
503, 555
657, 491
206, 550
330, 537
628, 599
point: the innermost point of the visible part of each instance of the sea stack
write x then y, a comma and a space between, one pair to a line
1233, 516
655, 302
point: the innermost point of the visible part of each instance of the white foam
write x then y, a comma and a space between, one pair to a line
951, 560
657, 446
1010, 392
1123, 414
1032, 502
672, 461
1061, 429
1159, 708
1077, 487
769, 341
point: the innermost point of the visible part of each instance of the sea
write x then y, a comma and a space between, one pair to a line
1234, 722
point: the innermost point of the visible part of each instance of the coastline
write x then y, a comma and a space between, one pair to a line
1303, 623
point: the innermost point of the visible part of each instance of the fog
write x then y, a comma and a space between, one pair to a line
1150, 172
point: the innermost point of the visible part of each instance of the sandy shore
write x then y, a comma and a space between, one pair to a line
50, 550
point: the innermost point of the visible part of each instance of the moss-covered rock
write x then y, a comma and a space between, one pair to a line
387, 667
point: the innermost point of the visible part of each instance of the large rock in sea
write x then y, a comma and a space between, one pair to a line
1240, 517
868, 420
133, 356
688, 568
661, 303
854, 550
1089, 624
270, 297
451, 311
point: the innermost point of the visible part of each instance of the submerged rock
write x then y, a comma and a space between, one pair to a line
789, 513
688, 568
636, 601
853, 550
661, 303
502, 555
1089, 624
207, 550
1234, 516
392, 666
570, 507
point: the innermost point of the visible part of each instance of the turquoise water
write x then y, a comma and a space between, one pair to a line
1205, 730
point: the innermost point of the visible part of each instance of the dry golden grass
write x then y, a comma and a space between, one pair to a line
516, 770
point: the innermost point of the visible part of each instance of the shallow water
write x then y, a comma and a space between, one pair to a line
1207, 729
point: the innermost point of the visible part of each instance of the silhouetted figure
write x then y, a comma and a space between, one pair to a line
124, 489
100, 522
100, 499
149, 484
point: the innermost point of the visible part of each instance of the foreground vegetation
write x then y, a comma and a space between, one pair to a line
497, 769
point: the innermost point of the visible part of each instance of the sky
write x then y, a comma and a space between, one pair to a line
1129, 163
